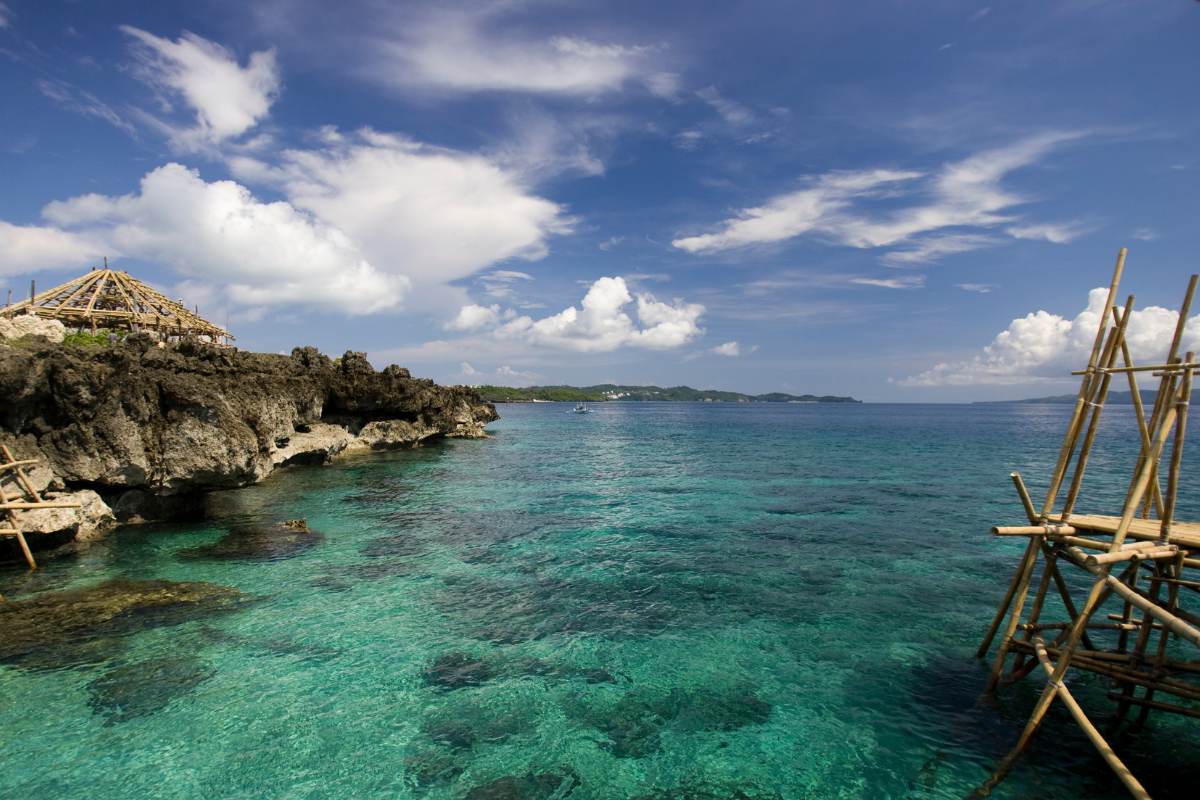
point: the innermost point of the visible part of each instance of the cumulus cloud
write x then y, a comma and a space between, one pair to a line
730, 349
473, 317
963, 194
227, 98
1043, 346
600, 323
263, 254
432, 214
29, 248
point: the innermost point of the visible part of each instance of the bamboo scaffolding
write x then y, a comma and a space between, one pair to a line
1131, 646
15, 468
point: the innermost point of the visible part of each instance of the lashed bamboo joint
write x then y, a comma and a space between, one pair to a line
108, 298
1143, 576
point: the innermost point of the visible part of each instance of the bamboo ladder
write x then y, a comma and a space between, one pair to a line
1164, 549
15, 469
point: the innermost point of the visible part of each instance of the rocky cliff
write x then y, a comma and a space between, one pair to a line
137, 431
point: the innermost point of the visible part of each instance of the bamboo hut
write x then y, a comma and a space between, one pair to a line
1137, 625
109, 298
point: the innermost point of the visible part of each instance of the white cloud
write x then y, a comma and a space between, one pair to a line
263, 254
1043, 346
1145, 234
731, 111
29, 248
963, 194
467, 369
431, 214
470, 52
979, 288
600, 324
902, 282
5, 16
730, 349
227, 98
1058, 233
473, 317
510, 375
610, 243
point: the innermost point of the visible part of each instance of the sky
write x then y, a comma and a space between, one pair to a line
899, 201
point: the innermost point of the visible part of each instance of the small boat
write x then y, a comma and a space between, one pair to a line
580, 408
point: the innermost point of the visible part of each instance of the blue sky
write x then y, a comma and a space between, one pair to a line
897, 200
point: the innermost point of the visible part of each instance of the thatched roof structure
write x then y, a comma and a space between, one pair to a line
107, 298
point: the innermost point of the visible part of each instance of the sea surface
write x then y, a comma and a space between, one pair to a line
654, 600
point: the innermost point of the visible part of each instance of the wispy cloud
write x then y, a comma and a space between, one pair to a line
901, 282
1056, 232
979, 288
74, 99
459, 51
964, 194
731, 111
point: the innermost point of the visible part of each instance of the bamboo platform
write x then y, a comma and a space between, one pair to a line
1143, 564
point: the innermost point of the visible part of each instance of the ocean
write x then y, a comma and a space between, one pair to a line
654, 600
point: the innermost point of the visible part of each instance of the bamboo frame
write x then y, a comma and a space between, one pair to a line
1161, 546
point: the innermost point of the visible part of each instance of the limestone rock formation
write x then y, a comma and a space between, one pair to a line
147, 427
23, 325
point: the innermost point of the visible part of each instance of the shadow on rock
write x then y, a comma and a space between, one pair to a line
260, 543
81, 626
144, 687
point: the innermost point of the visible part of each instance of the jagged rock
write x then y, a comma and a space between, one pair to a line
58, 629
92, 519
189, 418
24, 325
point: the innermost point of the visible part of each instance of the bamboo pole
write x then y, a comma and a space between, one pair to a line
1030, 553
1164, 637
1185, 396
1140, 412
1085, 388
1106, 752
1097, 406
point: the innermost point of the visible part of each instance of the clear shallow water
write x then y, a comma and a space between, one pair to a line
672, 600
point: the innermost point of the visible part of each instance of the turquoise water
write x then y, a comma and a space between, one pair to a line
652, 600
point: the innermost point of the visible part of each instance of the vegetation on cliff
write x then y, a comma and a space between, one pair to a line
610, 391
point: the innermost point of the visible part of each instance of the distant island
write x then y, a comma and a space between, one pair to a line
606, 392
1114, 398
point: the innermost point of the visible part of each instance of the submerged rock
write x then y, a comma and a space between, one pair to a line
260, 543
531, 786
458, 670
78, 625
144, 687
